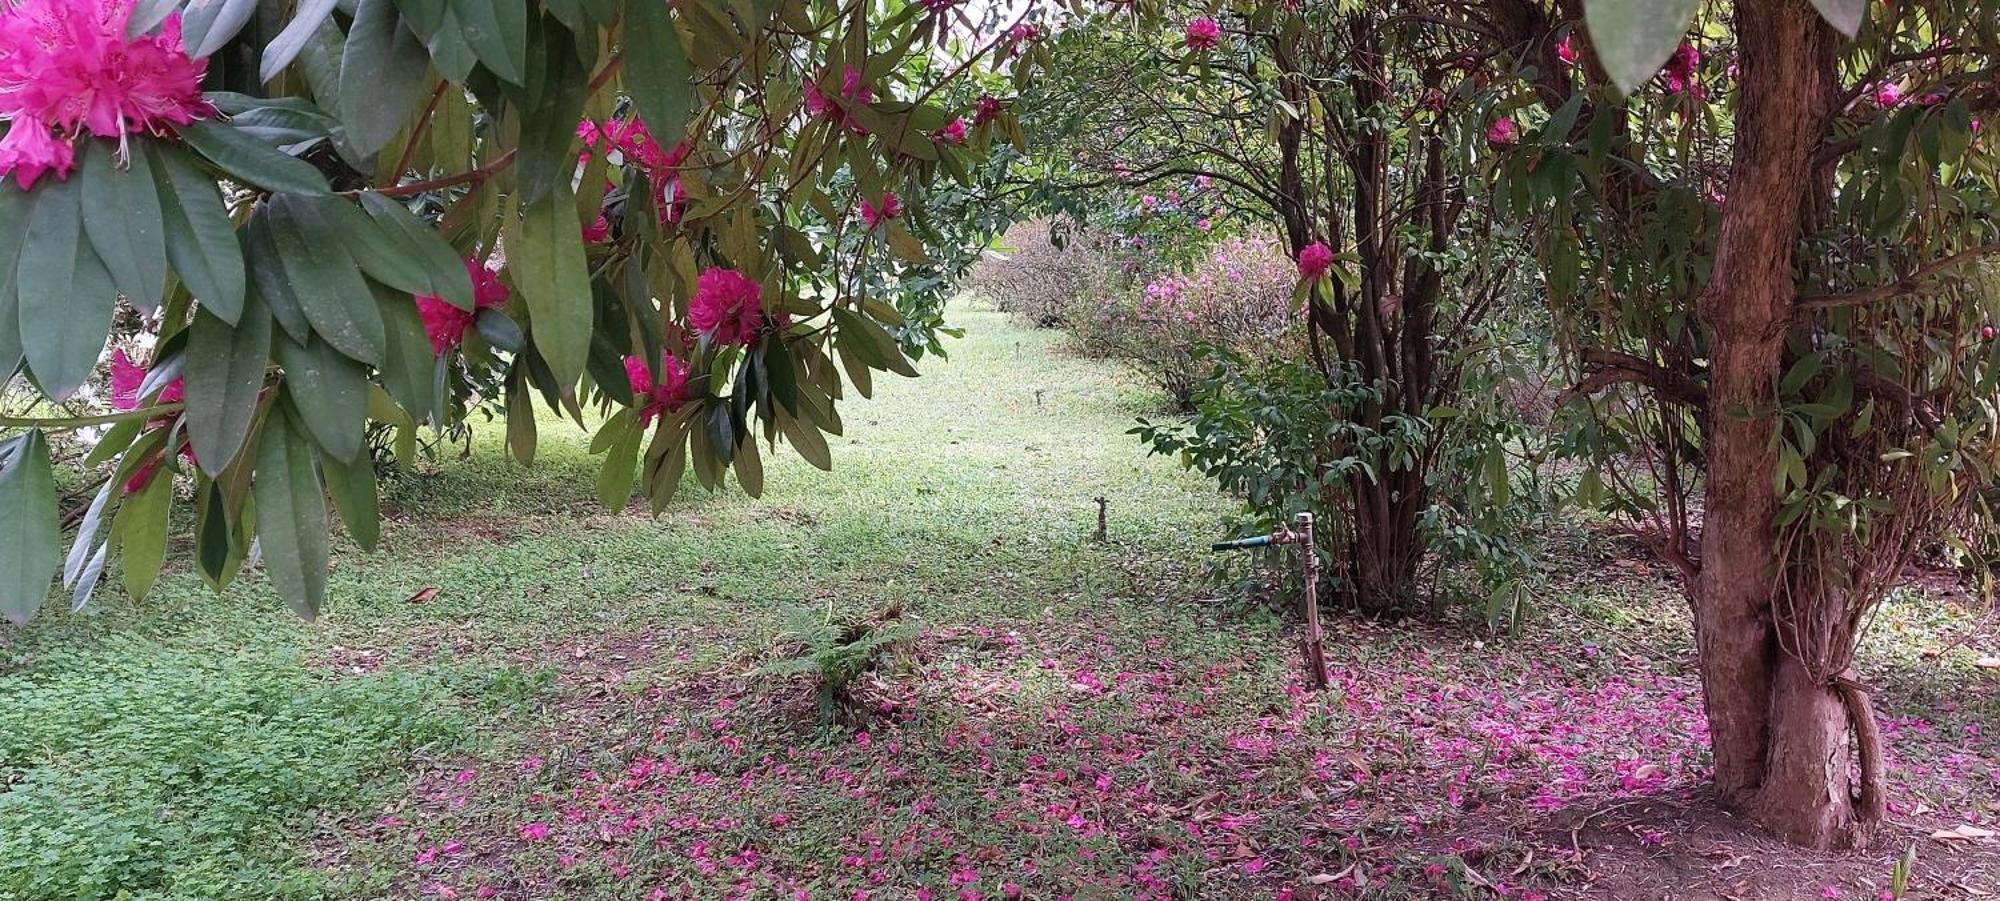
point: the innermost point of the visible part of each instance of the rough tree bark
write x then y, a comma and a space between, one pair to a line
1780, 732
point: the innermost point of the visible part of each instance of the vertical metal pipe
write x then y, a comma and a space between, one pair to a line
1315, 640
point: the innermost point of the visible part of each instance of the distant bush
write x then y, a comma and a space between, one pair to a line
143, 771
1126, 303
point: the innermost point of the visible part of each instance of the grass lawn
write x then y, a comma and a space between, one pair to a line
526, 696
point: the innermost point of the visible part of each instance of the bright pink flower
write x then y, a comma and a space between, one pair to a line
727, 306
1503, 133
1682, 68
598, 230
1148, 202
1021, 33
29, 150
1315, 260
1202, 34
534, 832
1205, 224
1888, 94
68, 64
126, 379
952, 133
877, 216
446, 324
656, 399
1566, 51
853, 89
986, 110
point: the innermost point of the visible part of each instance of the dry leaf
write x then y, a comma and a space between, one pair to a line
1988, 662
424, 595
1963, 833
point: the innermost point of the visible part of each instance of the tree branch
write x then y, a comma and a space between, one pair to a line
1905, 285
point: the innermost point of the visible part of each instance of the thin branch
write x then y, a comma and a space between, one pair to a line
1905, 285
70, 423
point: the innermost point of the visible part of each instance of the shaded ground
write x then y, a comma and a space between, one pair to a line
1072, 718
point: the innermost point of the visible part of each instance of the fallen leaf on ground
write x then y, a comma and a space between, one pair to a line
1963, 833
424, 595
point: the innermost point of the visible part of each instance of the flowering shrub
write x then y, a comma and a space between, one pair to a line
1239, 298
1123, 303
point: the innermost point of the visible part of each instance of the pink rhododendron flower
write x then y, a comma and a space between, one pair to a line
534, 832
127, 376
1888, 94
29, 150
1201, 182
1315, 260
1503, 133
655, 399
1202, 34
598, 230
877, 216
1566, 51
727, 306
446, 324
1205, 224
985, 110
853, 90
952, 133
1681, 68
66, 64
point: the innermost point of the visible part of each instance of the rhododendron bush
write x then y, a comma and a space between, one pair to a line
699, 219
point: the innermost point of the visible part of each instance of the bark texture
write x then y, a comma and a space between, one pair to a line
1780, 731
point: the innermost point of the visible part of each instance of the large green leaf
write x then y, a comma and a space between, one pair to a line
249, 160
330, 391
291, 514
545, 254
225, 375
352, 487
122, 217
423, 16
497, 31
325, 279
549, 128
409, 366
383, 74
66, 298
1633, 38
657, 73
268, 281
30, 538
296, 34
140, 528
441, 264
382, 251
201, 242
15, 208
206, 25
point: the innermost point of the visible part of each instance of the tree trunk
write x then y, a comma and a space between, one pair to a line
1780, 731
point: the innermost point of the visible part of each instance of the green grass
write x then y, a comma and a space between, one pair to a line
595, 672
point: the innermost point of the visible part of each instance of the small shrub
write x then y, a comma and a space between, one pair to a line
1273, 433
835, 652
